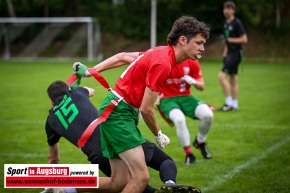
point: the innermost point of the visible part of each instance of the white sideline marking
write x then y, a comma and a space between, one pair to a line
222, 179
24, 155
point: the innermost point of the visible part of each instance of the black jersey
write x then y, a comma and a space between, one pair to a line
69, 117
234, 29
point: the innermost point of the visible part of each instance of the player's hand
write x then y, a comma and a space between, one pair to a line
223, 38
77, 67
162, 140
188, 79
47, 190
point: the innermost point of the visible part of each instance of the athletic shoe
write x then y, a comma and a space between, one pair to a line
189, 159
203, 149
234, 109
225, 107
178, 188
59, 190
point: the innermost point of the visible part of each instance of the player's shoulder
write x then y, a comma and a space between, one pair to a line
79, 90
161, 52
237, 21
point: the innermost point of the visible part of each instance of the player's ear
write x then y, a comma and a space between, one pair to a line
51, 102
183, 40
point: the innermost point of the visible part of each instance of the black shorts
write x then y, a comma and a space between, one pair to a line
231, 62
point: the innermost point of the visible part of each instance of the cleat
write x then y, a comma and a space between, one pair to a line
189, 159
203, 149
225, 107
59, 190
179, 188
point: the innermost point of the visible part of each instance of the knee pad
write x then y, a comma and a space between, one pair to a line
203, 112
177, 116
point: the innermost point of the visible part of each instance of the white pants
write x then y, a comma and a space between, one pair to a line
203, 113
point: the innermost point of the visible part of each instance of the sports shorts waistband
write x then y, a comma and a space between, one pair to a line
120, 97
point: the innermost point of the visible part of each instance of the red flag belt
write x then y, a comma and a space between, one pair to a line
73, 79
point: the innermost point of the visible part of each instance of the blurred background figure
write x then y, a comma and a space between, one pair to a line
176, 102
233, 38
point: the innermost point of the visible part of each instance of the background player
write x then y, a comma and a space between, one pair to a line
176, 102
234, 37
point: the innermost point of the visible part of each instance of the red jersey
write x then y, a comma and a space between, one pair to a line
150, 69
174, 86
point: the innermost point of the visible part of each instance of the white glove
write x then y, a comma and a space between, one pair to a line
47, 190
76, 66
162, 140
188, 79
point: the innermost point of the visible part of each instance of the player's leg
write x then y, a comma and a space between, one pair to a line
170, 107
178, 118
226, 87
205, 115
235, 90
104, 164
237, 57
120, 177
135, 162
163, 163
160, 161
197, 109
120, 138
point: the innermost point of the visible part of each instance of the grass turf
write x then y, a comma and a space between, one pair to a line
250, 147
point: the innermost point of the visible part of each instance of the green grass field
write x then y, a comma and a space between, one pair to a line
250, 147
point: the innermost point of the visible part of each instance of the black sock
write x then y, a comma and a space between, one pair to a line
168, 174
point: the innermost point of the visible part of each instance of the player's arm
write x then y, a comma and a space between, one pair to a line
91, 91
243, 39
53, 157
199, 85
147, 110
117, 60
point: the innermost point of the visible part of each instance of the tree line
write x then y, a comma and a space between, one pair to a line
131, 18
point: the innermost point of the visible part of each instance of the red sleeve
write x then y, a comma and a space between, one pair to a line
158, 73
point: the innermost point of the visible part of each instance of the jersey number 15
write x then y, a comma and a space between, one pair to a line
66, 108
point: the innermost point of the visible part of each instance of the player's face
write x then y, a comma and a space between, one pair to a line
228, 12
195, 47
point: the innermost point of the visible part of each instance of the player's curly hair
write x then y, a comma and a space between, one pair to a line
57, 89
187, 26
